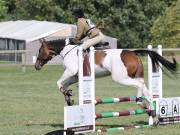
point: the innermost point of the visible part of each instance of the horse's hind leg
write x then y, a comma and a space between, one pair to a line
143, 91
141, 88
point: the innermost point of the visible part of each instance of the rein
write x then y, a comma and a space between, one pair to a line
68, 51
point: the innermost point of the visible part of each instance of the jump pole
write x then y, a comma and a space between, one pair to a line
117, 100
123, 113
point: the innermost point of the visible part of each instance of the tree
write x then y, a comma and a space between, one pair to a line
127, 20
3, 10
166, 29
132, 19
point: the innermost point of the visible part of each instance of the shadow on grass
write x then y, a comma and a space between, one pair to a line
60, 132
56, 132
47, 124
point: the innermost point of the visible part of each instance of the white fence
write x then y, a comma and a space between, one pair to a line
13, 57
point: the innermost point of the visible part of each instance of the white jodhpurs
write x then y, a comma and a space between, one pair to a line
90, 42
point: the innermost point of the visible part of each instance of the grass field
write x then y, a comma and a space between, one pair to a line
30, 103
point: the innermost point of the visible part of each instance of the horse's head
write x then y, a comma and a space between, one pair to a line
47, 51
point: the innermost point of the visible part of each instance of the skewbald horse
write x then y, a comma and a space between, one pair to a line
124, 66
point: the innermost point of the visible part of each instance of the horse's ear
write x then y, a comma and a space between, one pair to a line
41, 41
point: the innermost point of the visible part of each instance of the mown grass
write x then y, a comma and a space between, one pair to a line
6, 62
30, 103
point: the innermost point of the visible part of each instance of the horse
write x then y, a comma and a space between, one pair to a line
124, 66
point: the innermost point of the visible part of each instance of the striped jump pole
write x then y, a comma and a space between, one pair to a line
118, 100
122, 128
124, 113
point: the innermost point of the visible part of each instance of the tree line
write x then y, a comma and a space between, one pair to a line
135, 23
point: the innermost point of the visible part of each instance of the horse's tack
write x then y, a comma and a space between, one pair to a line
68, 51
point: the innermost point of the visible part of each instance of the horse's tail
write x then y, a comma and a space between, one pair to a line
156, 59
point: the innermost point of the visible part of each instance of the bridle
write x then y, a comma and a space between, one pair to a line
56, 53
49, 57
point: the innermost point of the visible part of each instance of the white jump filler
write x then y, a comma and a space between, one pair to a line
155, 77
86, 83
81, 118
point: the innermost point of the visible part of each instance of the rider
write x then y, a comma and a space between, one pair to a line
86, 28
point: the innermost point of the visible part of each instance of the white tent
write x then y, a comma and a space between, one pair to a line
24, 35
30, 30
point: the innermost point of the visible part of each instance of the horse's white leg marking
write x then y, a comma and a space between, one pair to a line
142, 90
66, 75
139, 92
123, 78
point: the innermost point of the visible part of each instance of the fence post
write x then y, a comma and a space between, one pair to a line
160, 73
80, 75
23, 62
155, 77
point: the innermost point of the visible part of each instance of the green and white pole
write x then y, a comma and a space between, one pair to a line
120, 114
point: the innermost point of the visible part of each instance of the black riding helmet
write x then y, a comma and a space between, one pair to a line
78, 12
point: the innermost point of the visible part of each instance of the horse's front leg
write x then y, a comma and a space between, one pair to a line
64, 82
67, 92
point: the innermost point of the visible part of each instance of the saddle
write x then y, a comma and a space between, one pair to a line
99, 46
102, 46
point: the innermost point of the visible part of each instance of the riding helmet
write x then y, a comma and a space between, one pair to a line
78, 12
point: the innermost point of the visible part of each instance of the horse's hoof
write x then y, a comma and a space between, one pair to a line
70, 102
155, 121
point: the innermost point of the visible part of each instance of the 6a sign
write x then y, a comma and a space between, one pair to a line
167, 109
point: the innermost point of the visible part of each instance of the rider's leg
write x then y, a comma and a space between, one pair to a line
90, 42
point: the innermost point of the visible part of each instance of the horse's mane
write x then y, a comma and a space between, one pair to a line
57, 44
